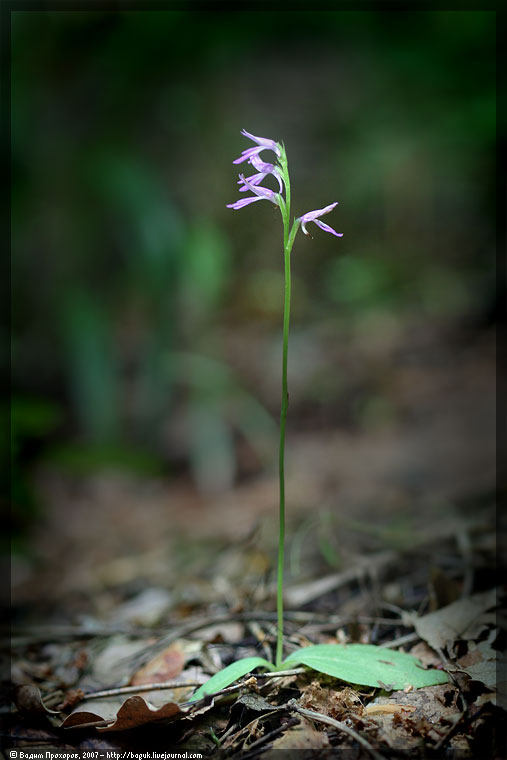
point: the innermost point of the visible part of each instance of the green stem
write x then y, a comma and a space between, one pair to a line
283, 419
288, 242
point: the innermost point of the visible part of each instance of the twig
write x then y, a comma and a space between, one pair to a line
161, 685
244, 617
261, 638
465, 547
22, 636
283, 673
292, 705
409, 638
234, 736
307, 592
252, 749
443, 739
91, 724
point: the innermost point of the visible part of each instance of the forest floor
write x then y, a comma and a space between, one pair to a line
137, 589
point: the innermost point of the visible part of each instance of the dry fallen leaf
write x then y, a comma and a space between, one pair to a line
164, 667
134, 711
29, 700
302, 737
459, 620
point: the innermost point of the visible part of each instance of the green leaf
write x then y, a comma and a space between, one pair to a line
230, 674
367, 665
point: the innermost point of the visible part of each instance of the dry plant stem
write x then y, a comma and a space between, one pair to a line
233, 735
336, 724
253, 748
159, 686
410, 638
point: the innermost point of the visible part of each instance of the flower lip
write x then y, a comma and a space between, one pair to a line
313, 216
244, 202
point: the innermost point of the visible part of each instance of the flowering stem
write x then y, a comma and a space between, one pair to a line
288, 242
281, 172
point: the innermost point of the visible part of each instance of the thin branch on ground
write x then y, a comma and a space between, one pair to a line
293, 706
254, 748
160, 686
409, 638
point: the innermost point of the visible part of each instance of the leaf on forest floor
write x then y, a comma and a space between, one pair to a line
228, 675
302, 737
367, 665
109, 666
164, 667
465, 619
28, 699
487, 665
402, 718
133, 712
147, 608
433, 703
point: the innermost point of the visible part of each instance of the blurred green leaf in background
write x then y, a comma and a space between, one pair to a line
125, 261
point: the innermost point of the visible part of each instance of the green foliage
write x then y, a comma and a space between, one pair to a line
121, 251
231, 673
367, 665
86, 458
360, 664
31, 421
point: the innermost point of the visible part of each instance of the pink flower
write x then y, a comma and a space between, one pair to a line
263, 170
260, 194
312, 216
263, 143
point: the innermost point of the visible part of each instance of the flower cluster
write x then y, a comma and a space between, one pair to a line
263, 169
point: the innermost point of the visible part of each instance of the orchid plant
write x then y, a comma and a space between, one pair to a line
363, 664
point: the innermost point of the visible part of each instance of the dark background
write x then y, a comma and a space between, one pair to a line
146, 316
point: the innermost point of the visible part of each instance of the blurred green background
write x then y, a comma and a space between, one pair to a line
137, 295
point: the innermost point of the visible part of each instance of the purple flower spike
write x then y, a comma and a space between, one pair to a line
261, 194
263, 143
312, 216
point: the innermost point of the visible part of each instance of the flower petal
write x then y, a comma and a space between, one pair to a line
247, 154
310, 216
245, 201
264, 141
255, 179
264, 192
327, 228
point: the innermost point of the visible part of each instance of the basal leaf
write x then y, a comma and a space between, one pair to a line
367, 665
230, 674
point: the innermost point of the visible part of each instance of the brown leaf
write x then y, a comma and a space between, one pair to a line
483, 663
461, 619
303, 736
133, 712
29, 700
164, 667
